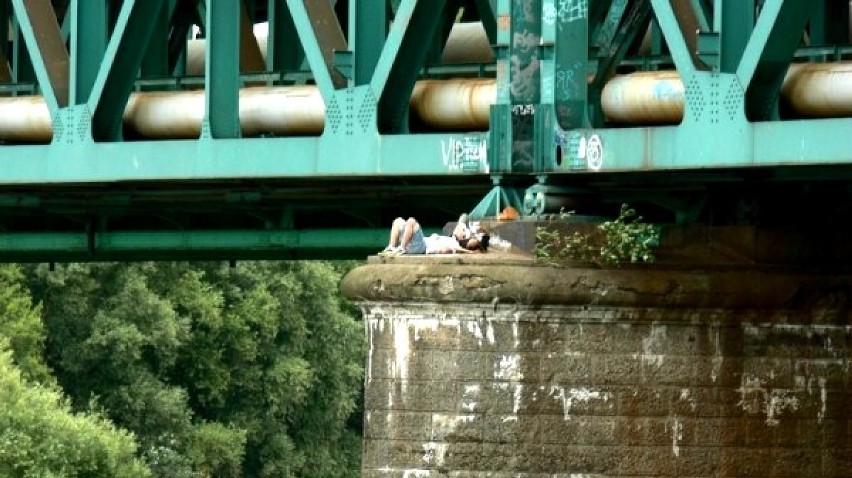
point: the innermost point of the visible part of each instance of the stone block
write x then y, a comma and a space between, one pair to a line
430, 396
745, 462
511, 367
713, 432
414, 426
580, 460
717, 371
463, 365
511, 428
650, 431
447, 428
640, 401
562, 367
504, 398
646, 460
698, 461
573, 401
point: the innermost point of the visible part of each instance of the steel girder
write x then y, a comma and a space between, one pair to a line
547, 129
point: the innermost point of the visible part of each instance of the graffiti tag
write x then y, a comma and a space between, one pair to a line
465, 154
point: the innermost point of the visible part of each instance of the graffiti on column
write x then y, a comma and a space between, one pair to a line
468, 154
573, 10
525, 80
570, 69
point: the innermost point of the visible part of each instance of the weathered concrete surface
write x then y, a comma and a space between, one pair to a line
481, 368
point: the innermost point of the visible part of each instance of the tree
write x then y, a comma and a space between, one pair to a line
20, 324
220, 371
41, 437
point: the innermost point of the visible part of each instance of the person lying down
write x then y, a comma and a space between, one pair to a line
406, 237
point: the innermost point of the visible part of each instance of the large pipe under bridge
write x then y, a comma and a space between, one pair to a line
462, 104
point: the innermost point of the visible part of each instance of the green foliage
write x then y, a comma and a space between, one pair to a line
247, 371
41, 437
611, 243
20, 324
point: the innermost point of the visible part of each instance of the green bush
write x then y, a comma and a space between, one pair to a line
611, 243
41, 437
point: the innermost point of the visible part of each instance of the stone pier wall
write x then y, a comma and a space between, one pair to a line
482, 370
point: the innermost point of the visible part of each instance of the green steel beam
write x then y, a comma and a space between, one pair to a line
367, 30
767, 56
47, 53
155, 63
23, 71
183, 14
88, 45
123, 58
442, 34
674, 36
295, 157
171, 245
320, 35
782, 145
703, 14
604, 19
487, 10
221, 71
284, 52
613, 48
737, 20
405, 50
571, 65
527, 115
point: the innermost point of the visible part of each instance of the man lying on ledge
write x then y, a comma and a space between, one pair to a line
407, 237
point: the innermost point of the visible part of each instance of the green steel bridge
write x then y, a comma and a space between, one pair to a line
163, 129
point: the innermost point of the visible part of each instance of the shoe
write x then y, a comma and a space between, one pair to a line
463, 219
392, 251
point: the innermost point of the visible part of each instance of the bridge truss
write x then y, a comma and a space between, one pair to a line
162, 129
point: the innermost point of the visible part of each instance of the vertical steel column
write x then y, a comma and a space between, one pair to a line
155, 63
22, 66
367, 31
284, 52
525, 80
88, 44
221, 70
734, 21
572, 56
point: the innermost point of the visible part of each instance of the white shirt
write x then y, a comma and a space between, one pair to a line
437, 244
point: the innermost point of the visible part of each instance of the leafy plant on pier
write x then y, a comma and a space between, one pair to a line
611, 243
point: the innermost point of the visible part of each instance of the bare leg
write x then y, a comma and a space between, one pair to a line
410, 226
396, 230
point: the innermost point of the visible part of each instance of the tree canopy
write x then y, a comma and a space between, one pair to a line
247, 371
40, 436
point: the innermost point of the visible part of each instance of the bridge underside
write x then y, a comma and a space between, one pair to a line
163, 129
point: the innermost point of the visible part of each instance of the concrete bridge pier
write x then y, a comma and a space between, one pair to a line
484, 367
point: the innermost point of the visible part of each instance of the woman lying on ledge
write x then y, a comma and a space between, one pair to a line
407, 237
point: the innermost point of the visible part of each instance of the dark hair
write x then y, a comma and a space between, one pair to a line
482, 241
